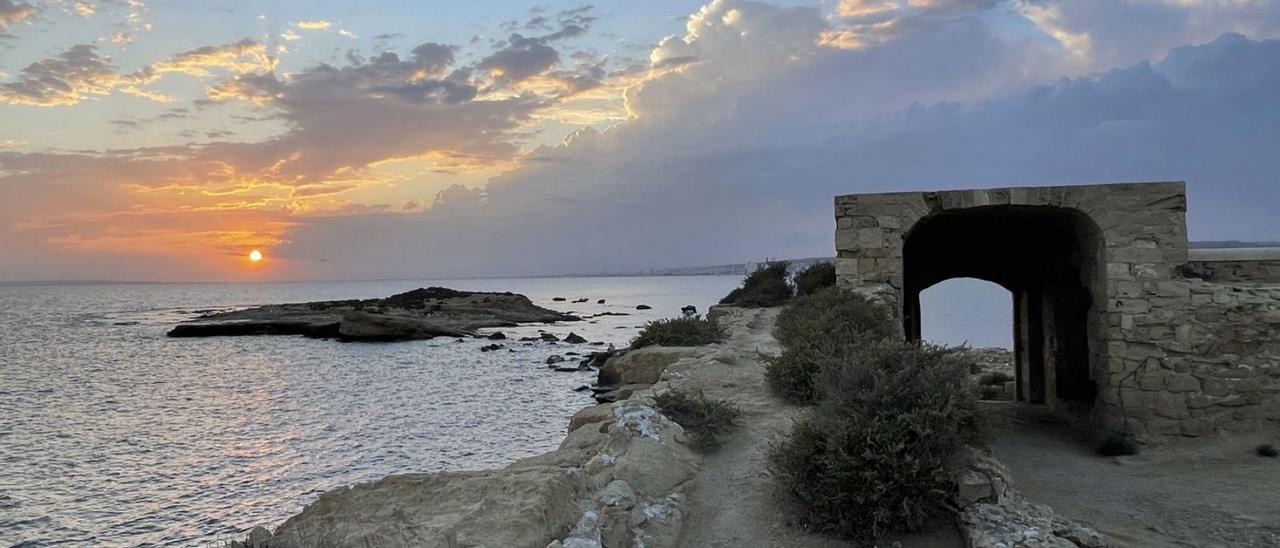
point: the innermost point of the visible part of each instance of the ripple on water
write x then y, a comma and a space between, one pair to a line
114, 435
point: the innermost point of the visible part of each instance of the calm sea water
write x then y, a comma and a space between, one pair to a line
112, 434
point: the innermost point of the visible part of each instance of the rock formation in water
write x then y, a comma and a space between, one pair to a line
417, 314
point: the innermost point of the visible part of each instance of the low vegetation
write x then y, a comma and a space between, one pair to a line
1117, 446
874, 453
873, 456
767, 286
815, 277
821, 330
702, 418
685, 331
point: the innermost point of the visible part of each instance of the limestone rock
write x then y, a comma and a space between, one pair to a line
591, 415
517, 507
643, 365
652, 468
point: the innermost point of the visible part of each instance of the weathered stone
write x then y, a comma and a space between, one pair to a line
1195, 326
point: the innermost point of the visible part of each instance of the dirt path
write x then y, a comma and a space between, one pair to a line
1202, 494
733, 501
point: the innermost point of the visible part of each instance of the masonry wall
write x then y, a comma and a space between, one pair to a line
1197, 357
1170, 354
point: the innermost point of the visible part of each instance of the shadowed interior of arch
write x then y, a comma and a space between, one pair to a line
1048, 259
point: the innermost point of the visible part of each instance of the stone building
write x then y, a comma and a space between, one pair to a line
1116, 320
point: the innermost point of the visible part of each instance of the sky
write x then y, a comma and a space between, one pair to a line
147, 140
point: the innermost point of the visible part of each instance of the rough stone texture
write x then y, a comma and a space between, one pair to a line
643, 365
615, 481
1174, 347
995, 515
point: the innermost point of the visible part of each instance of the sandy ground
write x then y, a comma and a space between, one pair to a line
1205, 493
733, 501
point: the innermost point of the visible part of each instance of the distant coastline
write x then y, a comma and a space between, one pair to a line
729, 269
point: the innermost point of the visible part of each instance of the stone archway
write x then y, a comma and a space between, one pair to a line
1049, 259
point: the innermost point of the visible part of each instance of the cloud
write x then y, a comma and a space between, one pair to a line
1108, 33
519, 59
66, 79
14, 11
121, 37
713, 171
79, 73
738, 131
314, 25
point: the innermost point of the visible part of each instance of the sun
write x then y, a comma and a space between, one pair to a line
255, 255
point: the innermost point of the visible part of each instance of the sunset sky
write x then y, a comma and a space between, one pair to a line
358, 140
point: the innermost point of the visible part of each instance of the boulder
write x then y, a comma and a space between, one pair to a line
520, 507
601, 301
497, 336
644, 307
490, 347
653, 468
547, 337
554, 359
362, 326
574, 338
591, 415
644, 365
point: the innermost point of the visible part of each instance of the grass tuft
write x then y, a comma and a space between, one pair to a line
702, 418
815, 277
766, 287
821, 330
874, 455
685, 331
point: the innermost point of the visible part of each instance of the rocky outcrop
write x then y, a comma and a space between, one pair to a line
995, 515
615, 481
417, 314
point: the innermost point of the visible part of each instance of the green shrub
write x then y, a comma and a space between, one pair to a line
1117, 446
702, 418
686, 331
828, 327
814, 277
874, 455
767, 286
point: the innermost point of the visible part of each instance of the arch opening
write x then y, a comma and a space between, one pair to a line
1048, 258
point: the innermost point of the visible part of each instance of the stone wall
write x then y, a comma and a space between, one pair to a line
1195, 357
1235, 265
1169, 352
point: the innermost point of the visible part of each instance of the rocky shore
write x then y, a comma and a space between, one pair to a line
624, 476
417, 314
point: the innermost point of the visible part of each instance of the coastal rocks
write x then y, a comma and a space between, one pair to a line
644, 307
491, 347
1018, 522
497, 336
417, 314
515, 506
362, 326
554, 359
995, 515
643, 365
574, 338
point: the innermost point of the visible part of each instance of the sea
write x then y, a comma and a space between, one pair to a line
112, 434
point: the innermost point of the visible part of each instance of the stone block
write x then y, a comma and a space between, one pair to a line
1197, 427
1181, 383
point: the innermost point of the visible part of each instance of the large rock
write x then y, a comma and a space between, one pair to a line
641, 366
517, 507
362, 326
417, 314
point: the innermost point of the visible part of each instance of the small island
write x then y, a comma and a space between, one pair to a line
422, 313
